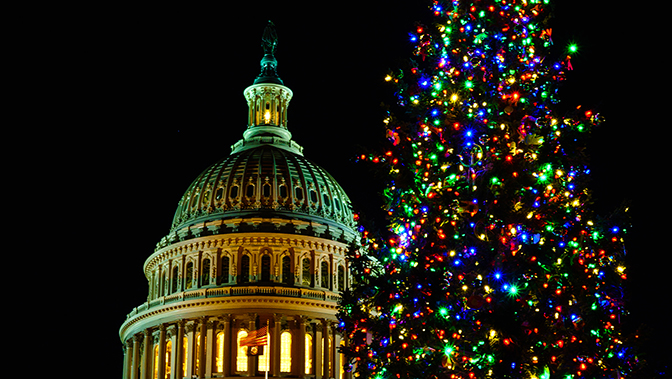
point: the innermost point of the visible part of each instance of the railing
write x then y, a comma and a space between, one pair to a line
236, 291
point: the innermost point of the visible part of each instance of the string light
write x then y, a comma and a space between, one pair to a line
492, 260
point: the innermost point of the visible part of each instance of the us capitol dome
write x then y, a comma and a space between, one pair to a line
258, 240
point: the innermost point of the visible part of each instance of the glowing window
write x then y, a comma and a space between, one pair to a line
185, 344
340, 367
241, 359
286, 352
219, 355
156, 362
309, 354
169, 356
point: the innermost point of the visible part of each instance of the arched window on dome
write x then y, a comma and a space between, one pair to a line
266, 190
298, 193
266, 268
206, 197
219, 194
175, 279
325, 201
341, 278
244, 269
286, 351
305, 272
324, 274
194, 200
287, 270
226, 269
205, 272
189, 276
234, 191
283, 191
241, 355
249, 190
313, 195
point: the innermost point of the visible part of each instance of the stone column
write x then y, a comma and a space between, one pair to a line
325, 348
191, 344
145, 371
171, 332
336, 355
274, 355
178, 348
128, 359
162, 352
317, 350
211, 349
135, 359
202, 348
228, 341
299, 347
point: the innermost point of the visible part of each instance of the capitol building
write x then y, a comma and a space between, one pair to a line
259, 239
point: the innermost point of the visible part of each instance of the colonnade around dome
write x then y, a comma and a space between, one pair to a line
298, 347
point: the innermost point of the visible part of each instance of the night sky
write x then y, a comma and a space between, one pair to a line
155, 96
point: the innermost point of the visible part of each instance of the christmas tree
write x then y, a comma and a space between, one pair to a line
493, 264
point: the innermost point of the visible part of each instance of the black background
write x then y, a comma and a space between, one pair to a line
136, 100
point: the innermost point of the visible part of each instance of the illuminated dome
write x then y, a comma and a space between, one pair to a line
264, 181
258, 245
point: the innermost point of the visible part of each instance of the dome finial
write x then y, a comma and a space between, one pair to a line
269, 42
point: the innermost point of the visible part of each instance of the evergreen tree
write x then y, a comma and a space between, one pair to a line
493, 264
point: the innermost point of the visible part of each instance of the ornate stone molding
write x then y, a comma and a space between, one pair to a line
136, 323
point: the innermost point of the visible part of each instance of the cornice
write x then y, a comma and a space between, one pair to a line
137, 323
